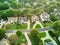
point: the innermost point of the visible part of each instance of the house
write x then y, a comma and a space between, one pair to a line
1, 23
57, 13
45, 16
12, 19
22, 20
34, 18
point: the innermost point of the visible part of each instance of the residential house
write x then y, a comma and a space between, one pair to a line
22, 20
34, 18
12, 19
45, 16
57, 13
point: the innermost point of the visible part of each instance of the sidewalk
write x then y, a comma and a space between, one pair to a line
28, 40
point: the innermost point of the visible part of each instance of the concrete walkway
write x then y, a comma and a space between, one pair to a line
28, 23
27, 38
48, 37
47, 34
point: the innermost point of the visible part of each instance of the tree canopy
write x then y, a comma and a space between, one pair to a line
27, 7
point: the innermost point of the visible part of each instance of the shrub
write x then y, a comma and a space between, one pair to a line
47, 40
18, 33
2, 33
52, 33
41, 42
12, 39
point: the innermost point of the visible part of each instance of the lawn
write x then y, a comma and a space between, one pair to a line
38, 26
22, 26
37, 40
34, 41
21, 40
54, 36
42, 35
47, 23
15, 40
32, 24
16, 26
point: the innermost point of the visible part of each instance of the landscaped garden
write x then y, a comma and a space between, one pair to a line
45, 11
55, 33
48, 42
47, 23
38, 26
17, 39
36, 36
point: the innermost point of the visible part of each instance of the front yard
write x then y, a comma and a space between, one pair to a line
54, 36
47, 23
35, 37
16, 26
17, 39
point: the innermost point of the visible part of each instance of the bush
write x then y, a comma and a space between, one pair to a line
12, 39
41, 42
18, 33
34, 33
2, 33
52, 33
47, 40
34, 37
56, 27
53, 18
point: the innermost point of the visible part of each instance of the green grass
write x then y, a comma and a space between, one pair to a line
10, 26
54, 36
42, 35
36, 41
38, 26
47, 24
15, 40
22, 26
21, 39
16, 26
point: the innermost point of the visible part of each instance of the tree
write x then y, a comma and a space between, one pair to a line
4, 6
18, 33
13, 39
14, 5
52, 33
4, 14
56, 27
41, 42
34, 33
53, 17
34, 37
2, 33
37, 11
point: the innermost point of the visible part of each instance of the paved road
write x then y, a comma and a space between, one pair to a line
26, 30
